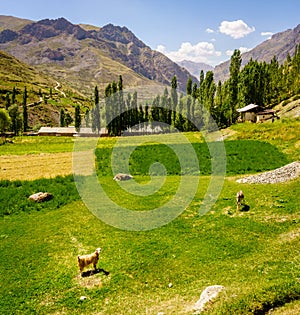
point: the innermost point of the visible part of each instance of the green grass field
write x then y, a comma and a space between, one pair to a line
255, 254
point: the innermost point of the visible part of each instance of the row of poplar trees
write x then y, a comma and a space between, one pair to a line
204, 104
12, 118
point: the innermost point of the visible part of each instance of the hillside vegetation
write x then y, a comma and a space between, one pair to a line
45, 95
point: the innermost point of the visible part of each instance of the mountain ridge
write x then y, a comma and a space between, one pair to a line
57, 43
280, 45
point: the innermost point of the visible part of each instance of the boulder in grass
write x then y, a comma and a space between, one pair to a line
41, 197
121, 176
206, 297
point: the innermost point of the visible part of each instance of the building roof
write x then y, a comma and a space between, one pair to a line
247, 108
70, 130
60, 130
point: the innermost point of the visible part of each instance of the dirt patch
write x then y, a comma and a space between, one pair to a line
93, 279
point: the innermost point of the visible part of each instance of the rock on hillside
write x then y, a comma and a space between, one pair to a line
280, 45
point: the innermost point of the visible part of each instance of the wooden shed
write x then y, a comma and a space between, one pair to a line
264, 115
254, 113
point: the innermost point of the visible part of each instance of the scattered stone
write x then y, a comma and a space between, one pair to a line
282, 174
170, 285
207, 295
82, 298
41, 197
121, 176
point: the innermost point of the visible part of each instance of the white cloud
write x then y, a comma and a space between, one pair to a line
229, 52
236, 29
244, 49
269, 34
201, 52
241, 49
209, 30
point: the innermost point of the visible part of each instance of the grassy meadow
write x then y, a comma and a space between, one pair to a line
255, 254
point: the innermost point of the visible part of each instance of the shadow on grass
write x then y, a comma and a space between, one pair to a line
245, 208
90, 273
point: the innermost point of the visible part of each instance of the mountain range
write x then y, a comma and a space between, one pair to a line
85, 56
82, 56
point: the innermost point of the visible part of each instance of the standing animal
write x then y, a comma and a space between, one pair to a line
85, 260
239, 199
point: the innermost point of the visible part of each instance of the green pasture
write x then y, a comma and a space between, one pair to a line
254, 253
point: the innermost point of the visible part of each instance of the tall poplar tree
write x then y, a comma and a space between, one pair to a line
25, 114
189, 86
62, 118
7, 100
77, 118
234, 69
174, 98
96, 112
13, 97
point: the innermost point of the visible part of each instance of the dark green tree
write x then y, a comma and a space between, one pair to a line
77, 118
87, 118
96, 112
25, 114
68, 119
189, 86
174, 97
201, 87
13, 97
62, 118
7, 100
16, 118
5, 120
234, 69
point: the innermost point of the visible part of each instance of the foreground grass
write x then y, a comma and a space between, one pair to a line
254, 254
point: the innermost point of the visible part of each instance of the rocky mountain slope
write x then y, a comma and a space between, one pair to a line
86, 56
280, 45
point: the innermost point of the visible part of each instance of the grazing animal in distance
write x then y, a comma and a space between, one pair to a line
85, 260
239, 199
121, 176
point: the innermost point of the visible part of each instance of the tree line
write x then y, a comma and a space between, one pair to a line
204, 104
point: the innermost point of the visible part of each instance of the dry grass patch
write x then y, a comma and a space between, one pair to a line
35, 166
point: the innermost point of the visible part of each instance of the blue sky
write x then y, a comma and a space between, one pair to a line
204, 31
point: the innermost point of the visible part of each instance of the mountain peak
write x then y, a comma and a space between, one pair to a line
49, 28
120, 34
